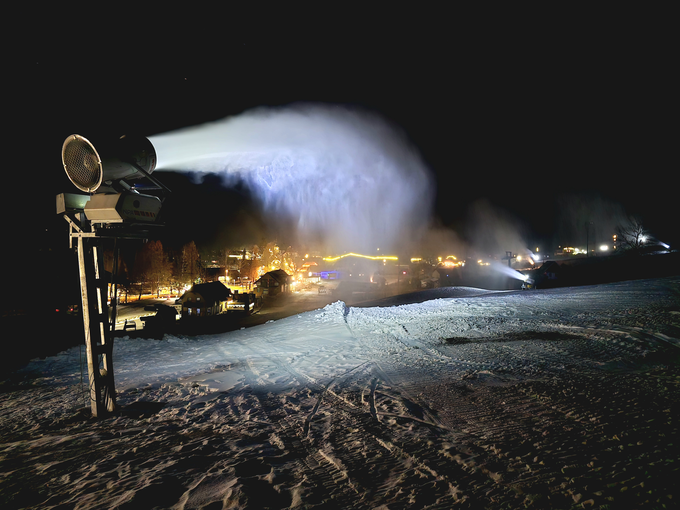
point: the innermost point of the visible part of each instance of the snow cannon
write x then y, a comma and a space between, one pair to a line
109, 166
109, 174
529, 283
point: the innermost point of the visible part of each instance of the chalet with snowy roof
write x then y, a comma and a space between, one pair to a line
274, 282
205, 299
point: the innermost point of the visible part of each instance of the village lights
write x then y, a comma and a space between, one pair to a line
450, 261
370, 257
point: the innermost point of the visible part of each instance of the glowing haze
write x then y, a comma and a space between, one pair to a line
342, 176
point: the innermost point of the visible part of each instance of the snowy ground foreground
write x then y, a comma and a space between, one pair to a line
552, 398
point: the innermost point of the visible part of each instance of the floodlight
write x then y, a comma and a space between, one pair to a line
98, 170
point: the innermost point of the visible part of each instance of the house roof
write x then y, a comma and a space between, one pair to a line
550, 265
279, 275
212, 291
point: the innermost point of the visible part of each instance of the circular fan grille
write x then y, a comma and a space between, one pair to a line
82, 163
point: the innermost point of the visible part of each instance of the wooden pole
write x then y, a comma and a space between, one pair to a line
98, 337
92, 358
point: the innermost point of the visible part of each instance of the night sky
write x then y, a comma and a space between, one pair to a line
550, 121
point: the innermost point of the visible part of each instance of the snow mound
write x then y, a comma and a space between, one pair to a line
334, 312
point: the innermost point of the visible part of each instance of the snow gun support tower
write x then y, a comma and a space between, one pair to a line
113, 209
509, 257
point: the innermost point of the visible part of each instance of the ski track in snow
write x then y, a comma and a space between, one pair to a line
551, 399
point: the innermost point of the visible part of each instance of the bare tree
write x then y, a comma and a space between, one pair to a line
291, 260
121, 271
152, 267
632, 235
188, 264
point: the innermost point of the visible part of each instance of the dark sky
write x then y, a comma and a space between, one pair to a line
535, 115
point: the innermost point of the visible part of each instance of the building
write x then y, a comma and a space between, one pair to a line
243, 302
205, 299
274, 282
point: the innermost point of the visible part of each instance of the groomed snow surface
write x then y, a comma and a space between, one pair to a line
562, 398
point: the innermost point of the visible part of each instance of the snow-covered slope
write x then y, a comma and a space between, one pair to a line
552, 397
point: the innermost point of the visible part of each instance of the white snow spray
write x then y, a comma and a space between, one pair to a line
512, 273
344, 175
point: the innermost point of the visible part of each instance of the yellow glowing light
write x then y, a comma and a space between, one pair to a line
382, 257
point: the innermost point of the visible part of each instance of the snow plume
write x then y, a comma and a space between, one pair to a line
508, 271
589, 217
492, 230
343, 176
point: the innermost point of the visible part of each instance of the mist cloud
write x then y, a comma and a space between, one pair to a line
344, 176
493, 230
589, 217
